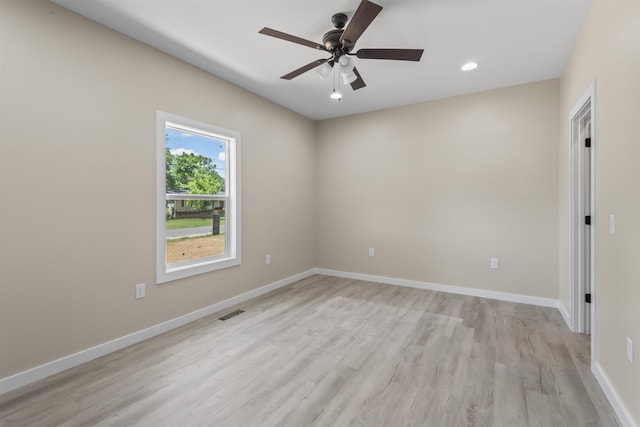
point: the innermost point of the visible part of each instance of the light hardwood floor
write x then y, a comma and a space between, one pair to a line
336, 352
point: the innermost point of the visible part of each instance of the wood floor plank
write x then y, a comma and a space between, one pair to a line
328, 351
509, 406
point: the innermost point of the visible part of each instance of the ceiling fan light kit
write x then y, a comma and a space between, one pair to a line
348, 77
346, 70
340, 42
346, 62
323, 70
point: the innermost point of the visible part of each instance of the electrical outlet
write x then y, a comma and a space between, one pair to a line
140, 290
612, 224
495, 263
372, 252
267, 259
630, 350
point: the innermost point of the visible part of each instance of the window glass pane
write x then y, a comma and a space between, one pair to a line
195, 234
195, 164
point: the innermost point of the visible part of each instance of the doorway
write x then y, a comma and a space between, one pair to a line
582, 158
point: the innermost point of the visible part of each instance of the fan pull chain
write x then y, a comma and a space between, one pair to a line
336, 76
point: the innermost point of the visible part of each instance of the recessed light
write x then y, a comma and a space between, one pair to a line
469, 66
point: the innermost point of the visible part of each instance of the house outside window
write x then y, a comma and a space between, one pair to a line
198, 198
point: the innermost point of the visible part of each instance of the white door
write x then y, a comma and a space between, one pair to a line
581, 205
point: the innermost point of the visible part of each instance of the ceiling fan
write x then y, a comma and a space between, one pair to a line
340, 43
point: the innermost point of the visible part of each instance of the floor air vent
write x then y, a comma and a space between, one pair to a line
230, 315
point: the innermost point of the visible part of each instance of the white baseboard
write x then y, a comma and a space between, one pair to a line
565, 314
502, 296
43, 371
618, 407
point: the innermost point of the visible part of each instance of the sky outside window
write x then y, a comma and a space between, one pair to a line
180, 142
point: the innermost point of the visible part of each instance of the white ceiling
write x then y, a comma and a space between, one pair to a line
513, 41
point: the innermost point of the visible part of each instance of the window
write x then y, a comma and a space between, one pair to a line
198, 198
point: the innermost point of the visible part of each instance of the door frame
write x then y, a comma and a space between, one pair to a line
586, 103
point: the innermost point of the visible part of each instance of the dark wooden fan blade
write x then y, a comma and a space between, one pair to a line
363, 16
288, 37
304, 69
395, 54
357, 83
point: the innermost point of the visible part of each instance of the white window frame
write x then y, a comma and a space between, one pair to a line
169, 272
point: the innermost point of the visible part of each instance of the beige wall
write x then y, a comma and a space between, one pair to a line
440, 188
77, 113
608, 51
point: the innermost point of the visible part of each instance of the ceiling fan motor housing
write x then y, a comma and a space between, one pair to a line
331, 39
